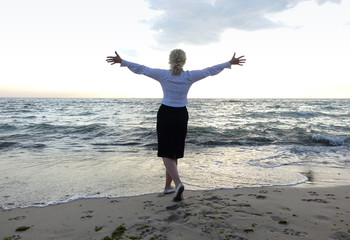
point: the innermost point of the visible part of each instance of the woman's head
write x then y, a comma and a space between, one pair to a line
177, 60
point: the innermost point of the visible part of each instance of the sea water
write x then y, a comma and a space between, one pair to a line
57, 150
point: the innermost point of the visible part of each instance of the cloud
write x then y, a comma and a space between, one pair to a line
203, 21
324, 1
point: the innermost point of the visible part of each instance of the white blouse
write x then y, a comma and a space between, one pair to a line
175, 87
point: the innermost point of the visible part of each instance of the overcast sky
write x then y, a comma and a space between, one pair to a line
57, 48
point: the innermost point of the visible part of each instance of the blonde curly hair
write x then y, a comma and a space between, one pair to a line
177, 60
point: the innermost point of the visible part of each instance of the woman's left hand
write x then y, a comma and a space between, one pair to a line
114, 60
237, 61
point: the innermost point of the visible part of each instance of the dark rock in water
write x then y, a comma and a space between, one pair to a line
310, 175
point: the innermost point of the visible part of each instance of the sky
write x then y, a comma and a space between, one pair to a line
58, 48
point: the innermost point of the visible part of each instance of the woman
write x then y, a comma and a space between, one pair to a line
172, 115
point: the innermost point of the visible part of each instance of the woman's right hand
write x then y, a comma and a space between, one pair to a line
114, 59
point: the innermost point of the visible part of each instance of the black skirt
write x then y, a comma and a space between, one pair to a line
171, 131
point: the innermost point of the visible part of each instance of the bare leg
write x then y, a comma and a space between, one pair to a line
169, 179
171, 170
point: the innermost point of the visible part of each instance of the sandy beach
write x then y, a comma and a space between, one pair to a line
292, 212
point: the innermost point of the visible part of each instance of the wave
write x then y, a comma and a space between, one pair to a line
97, 134
280, 114
123, 143
272, 161
42, 127
233, 123
35, 145
10, 145
7, 127
86, 114
46, 128
306, 113
86, 128
329, 140
4, 145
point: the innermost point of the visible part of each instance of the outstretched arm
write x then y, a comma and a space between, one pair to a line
114, 59
154, 73
211, 71
237, 61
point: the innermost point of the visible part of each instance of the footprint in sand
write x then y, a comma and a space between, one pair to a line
258, 196
340, 235
294, 233
173, 207
17, 218
317, 200
173, 218
237, 195
88, 215
321, 217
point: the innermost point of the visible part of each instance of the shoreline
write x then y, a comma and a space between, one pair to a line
314, 177
289, 212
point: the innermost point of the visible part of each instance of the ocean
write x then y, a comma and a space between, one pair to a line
58, 150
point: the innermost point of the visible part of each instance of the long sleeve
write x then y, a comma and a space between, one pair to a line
175, 87
196, 75
154, 73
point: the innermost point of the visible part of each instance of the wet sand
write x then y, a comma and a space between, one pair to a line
293, 212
